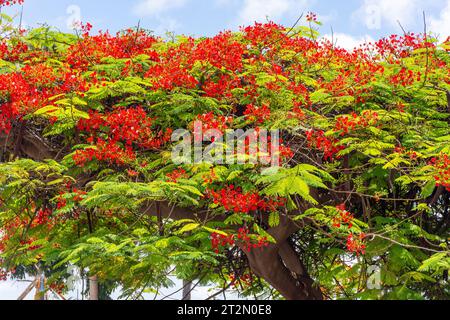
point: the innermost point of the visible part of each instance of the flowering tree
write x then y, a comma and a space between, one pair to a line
357, 209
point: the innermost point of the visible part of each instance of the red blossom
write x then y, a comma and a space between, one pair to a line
442, 167
356, 244
242, 238
10, 2
177, 175
256, 114
109, 152
343, 218
346, 124
235, 200
318, 140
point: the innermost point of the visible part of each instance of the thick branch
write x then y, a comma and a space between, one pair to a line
268, 264
31, 146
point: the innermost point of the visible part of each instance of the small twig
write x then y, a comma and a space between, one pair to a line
374, 235
404, 31
426, 48
21, 18
220, 292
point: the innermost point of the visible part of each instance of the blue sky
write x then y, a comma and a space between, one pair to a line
352, 20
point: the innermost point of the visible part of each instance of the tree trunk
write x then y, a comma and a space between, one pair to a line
281, 266
448, 100
187, 290
283, 270
40, 288
93, 288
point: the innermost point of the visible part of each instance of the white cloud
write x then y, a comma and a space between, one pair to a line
260, 10
347, 41
375, 13
158, 11
327, 18
157, 7
167, 25
441, 25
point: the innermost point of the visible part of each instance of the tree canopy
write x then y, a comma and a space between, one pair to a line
358, 207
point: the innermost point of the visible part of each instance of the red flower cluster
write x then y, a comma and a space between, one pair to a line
264, 147
243, 237
257, 114
356, 244
62, 203
297, 113
210, 121
79, 195
95, 122
170, 75
19, 98
177, 175
109, 152
317, 139
10, 2
411, 153
16, 226
234, 200
442, 166
132, 173
26, 91
57, 287
343, 217
243, 281
43, 216
220, 240
263, 35
311, 16
221, 51
28, 243
13, 53
222, 87
346, 124
401, 46
405, 77
92, 49
172, 71
132, 127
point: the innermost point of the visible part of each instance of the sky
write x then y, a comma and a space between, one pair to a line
11, 290
352, 22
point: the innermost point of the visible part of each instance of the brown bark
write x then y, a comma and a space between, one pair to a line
448, 101
26, 144
93, 289
187, 290
270, 264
